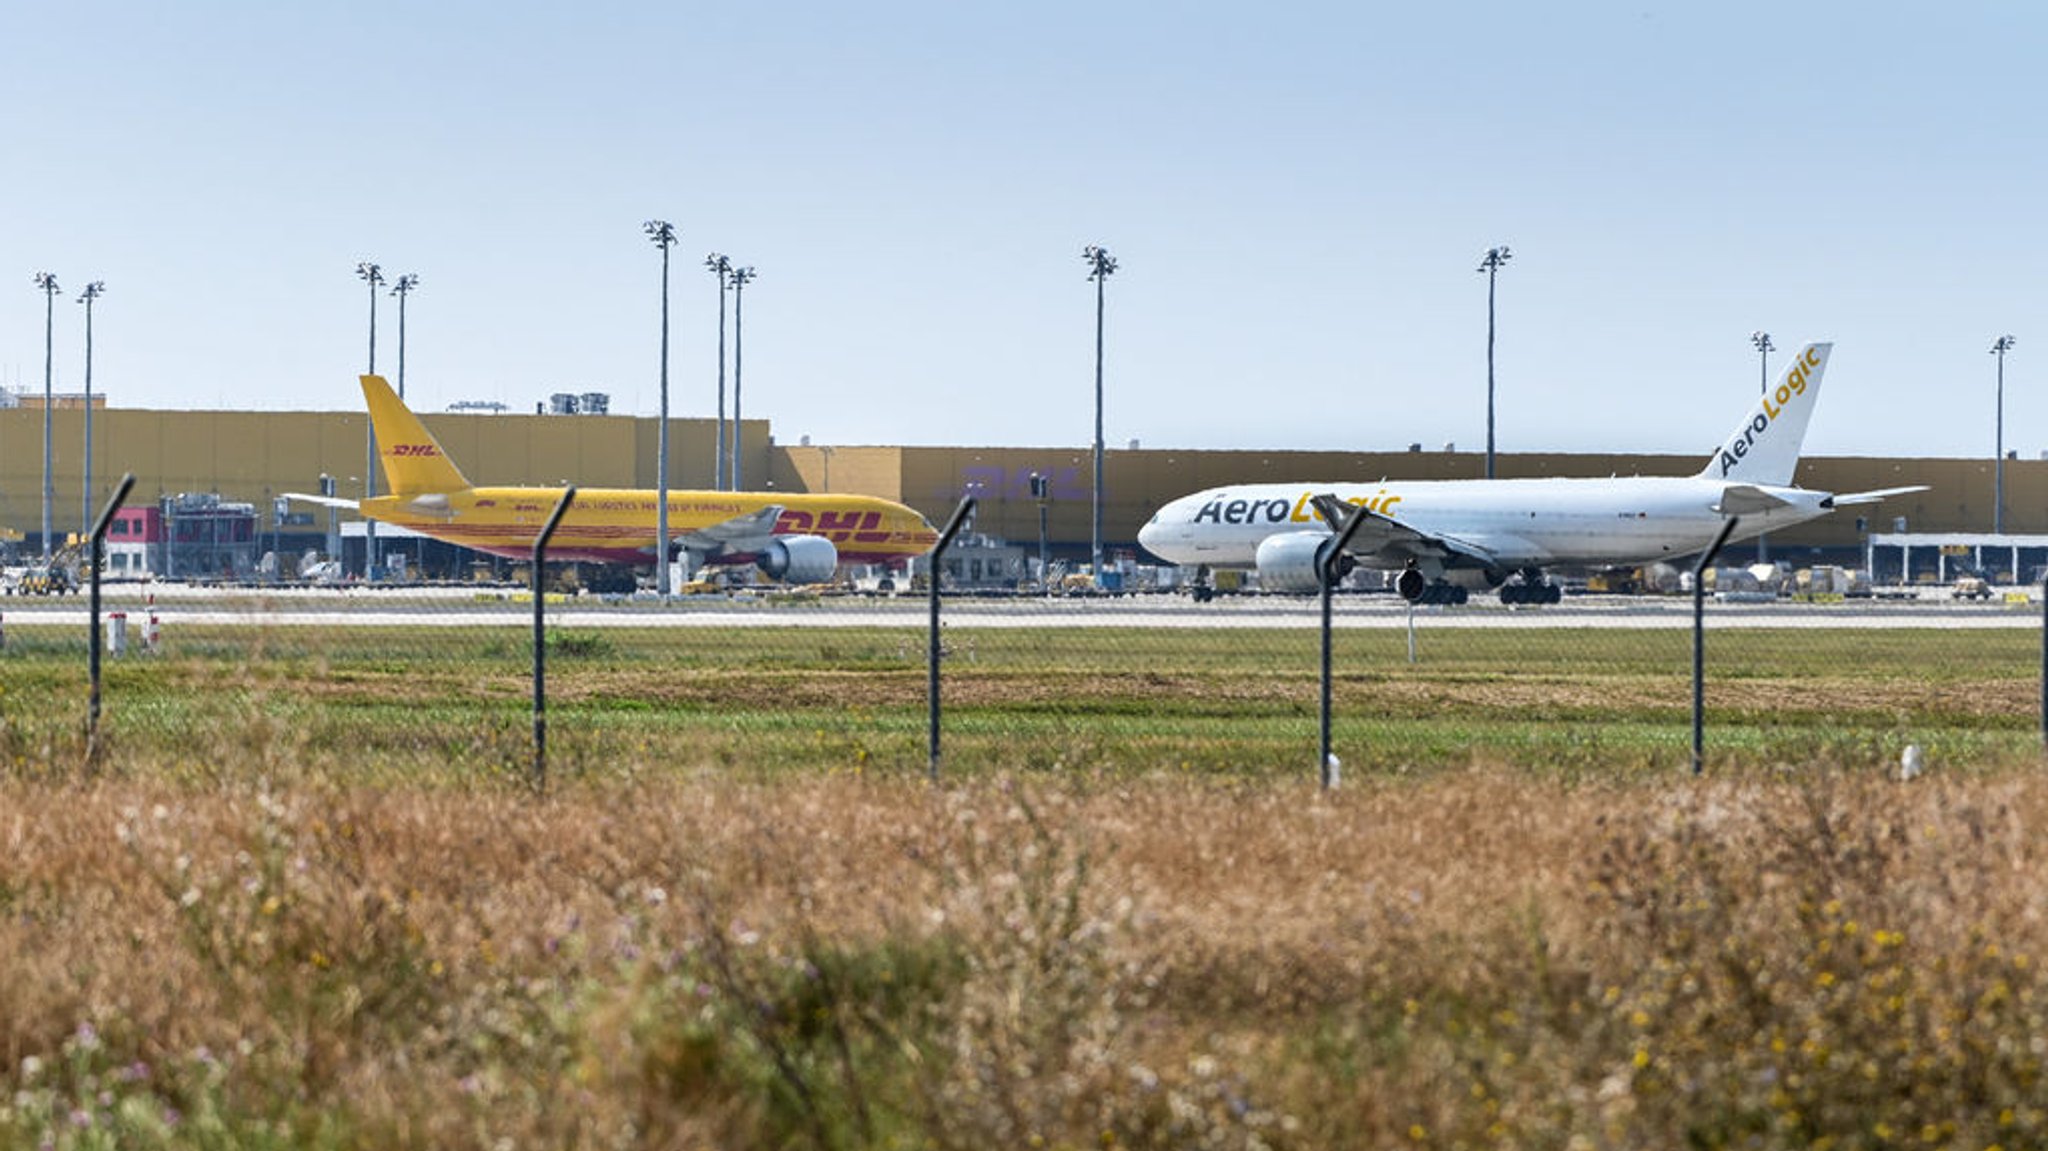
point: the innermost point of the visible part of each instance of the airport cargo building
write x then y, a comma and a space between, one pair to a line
255, 457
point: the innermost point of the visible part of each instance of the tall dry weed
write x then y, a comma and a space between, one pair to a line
651, 958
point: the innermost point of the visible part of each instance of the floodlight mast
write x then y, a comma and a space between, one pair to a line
92, 292
1999, 348
718, 265
1490, 264
1762, 340
372, 274
47, 283
663, 234
1101, 266
403, 288
741, 277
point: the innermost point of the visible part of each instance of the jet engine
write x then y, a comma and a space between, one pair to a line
1287, 561
799, 559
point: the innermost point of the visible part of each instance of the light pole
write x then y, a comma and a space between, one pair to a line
1490, 264
48, 283
1764, 348
333, 523
92, 292
1999, 348
403, 288
373, 276
722, 268
1101, 266
664, 236
741, 277
1041, 487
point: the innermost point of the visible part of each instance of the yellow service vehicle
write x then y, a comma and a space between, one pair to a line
46, 580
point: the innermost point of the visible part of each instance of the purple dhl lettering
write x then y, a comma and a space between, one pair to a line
986, 481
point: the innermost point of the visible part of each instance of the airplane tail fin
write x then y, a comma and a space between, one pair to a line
414, 463
1765, 448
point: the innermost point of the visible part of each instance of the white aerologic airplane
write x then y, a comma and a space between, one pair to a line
1453, 536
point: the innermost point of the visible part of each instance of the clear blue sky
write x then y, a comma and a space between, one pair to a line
1298, 195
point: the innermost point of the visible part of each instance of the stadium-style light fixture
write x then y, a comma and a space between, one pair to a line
741, 277
1101, 266
403, 288
1999, 348
92, 292
718, 265
47, 283
372, 275
663, 234
1490, 264
1762, 341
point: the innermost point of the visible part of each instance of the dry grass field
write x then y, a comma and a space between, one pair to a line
1790, 959
310, 901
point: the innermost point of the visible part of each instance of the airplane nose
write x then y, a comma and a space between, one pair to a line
1154, 536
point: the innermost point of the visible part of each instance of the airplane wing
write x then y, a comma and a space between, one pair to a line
1388, 542
745, 533
324, 501
1746, 500
1874, 496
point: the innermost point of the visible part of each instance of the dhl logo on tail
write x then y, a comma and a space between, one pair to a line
414, 463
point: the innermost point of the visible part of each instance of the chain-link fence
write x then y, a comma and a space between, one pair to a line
424, 679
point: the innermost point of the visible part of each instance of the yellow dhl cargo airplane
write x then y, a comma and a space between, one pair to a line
799, 538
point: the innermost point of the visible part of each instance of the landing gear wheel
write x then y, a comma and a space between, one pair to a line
1543, 592
1443, 593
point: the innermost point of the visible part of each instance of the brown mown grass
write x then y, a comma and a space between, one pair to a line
1798, 957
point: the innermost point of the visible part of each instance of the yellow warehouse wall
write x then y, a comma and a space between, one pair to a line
254, 455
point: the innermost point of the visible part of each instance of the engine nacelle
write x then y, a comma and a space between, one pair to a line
1411, 583
1287, 562
799, 559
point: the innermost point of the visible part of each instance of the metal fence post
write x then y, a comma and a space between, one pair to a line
99, 536
540, 641
1329, 558
1699, 642
937, 554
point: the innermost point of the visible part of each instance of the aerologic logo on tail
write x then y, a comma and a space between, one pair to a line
1794, 385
